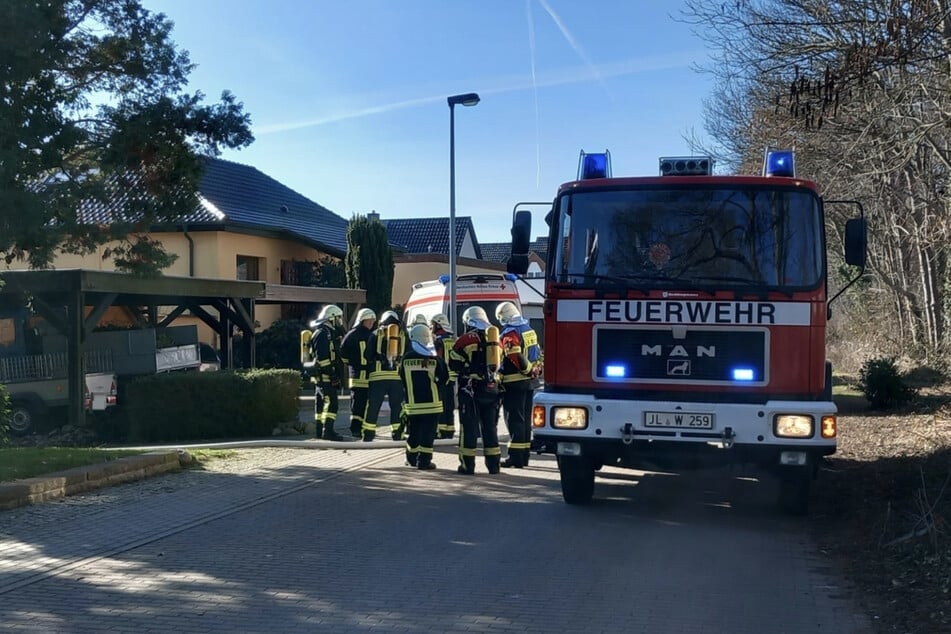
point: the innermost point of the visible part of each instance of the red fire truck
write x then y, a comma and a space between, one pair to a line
685, 322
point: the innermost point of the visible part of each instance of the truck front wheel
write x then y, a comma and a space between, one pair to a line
794, 485
577, 479
22, 418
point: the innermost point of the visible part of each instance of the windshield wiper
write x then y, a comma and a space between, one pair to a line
749, 286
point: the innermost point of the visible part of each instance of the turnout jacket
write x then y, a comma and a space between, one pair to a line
520, 352
468, 359
353, 352
379, 366
444, 340
325, 347
423, 377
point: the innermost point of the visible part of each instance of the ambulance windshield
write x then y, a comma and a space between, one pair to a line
717, 236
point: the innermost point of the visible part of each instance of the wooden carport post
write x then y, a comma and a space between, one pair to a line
75, 343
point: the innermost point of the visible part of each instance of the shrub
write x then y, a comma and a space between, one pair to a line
197, 406
883, 385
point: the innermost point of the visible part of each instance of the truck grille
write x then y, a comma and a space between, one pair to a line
681, 355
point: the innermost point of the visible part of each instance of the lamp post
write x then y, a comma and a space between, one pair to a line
467, 99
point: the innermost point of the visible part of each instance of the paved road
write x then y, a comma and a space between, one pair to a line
334, 541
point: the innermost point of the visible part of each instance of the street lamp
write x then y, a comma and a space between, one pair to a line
467, 99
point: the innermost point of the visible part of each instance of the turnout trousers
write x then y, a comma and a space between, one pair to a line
358, 409
516, 403
478, 416
392, 389
419, 443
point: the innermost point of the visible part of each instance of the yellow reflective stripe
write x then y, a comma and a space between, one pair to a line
520, 445
512, 378
425, 449
493, 451
465, 451
331, 416
424, 408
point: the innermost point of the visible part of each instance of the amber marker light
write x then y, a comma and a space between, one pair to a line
538, 416
828, 426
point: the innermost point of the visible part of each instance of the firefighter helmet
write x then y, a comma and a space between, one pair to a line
506, 313
363, 315
330, 313
420, 320
389, 317
475, 317
442, 321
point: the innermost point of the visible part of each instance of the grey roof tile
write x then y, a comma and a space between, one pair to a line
429, 235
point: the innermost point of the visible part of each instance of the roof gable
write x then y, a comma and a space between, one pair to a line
500, 251
430, 235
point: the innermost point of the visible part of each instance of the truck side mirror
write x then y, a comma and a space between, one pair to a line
856, 240
521, 241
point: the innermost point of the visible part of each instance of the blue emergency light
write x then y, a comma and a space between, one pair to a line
616, 371
444, 278
779, 163
743, 374
594, 165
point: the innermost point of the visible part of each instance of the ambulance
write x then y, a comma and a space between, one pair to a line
487, 290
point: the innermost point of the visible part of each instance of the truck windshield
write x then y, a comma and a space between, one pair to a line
716, 236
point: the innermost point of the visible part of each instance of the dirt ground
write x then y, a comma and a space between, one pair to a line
882, 509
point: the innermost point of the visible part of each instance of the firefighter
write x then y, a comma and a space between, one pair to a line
325, 370
520, 353
384, 350
423, 373
444, 340
353, 352
474, 356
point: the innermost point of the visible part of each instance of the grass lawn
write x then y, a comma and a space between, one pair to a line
17, 463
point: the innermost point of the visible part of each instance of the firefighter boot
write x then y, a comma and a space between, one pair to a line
318, 430
425, 462
412, 458
355, 426
330, 433
514, 461
468, 465
368, 435
492, 463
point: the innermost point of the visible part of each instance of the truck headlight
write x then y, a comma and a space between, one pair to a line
793, 426
569, 417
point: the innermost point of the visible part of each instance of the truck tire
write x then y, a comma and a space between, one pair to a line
22, 418
577, 480
794, 485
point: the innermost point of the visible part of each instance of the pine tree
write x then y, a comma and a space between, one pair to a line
369, 261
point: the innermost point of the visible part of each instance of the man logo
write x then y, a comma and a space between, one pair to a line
676, 367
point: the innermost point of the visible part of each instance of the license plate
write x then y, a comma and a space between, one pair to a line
687, 420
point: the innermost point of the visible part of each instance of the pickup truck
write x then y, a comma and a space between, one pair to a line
37, 384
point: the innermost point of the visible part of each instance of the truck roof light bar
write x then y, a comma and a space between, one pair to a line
594, 165
779, 163
686, 166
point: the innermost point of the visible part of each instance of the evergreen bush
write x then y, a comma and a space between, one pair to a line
883, 385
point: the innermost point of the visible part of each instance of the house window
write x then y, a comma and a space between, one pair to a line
248, 268
8, 332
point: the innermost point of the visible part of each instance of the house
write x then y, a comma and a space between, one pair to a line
421, 251
248, 226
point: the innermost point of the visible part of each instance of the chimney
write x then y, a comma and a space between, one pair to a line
373, 216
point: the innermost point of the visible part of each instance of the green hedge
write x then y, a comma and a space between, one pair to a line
210, 405
4, 414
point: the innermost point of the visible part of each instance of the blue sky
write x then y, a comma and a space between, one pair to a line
348, 99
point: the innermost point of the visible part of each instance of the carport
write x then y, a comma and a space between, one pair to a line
219, 303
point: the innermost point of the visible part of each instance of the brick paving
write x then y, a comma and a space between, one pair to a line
335, 541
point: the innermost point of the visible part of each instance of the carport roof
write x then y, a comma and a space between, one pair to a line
130, 290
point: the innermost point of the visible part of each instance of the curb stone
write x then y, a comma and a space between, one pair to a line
58, 485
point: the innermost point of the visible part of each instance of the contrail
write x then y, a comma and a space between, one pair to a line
575, 75
574, 44
531, 48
